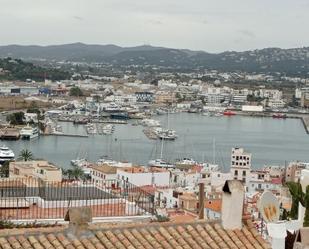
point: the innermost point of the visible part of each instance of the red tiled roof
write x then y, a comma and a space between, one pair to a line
214, 205
196, 235
276, 181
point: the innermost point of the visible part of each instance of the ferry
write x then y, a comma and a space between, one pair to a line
29, 132
6, 154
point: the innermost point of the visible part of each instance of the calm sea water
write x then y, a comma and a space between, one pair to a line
270, 141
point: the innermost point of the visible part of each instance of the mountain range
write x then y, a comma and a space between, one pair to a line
294, 61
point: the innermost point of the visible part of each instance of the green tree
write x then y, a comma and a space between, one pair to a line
75, 173
76, 91
16, 118
306, 205
4, 169
297, 197
25, 155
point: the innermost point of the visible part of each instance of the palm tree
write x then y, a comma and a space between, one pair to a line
75, 173
25, 155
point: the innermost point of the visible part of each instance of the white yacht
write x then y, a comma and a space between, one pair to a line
160, 163
150, 123
79, 161
6, 154
167, 134
186, 161
29, 132
113, 163
108, 129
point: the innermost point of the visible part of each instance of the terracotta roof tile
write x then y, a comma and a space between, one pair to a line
196, 235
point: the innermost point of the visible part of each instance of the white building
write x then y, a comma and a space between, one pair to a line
103, 172
183, 179
276, 103
240, 165
140, 176
167, 197
261, 186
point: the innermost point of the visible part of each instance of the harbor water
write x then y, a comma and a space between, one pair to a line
271, 141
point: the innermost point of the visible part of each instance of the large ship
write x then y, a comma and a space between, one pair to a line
6, 154
29, 132
120, 115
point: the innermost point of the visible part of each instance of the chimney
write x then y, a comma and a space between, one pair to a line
232, 204
201, 200
78, 218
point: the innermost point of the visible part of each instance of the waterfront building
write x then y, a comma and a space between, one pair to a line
239, 99
41, 170
125, 99
276, 103
240, 165
141, 176
144, 97
165, 97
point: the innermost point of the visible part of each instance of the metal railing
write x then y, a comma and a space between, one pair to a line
35, 199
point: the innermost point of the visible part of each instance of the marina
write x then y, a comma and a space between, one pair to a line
272, 141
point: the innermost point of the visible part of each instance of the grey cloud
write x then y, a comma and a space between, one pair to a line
247, 33
155, 22
79, 18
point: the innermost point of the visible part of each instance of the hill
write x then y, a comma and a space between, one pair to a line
16, 69
294, 62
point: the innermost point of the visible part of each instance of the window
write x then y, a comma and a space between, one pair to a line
259, 186
236, 172
244, 173
218, 175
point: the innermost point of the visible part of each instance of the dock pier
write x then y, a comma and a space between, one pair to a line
305, 121
66, 135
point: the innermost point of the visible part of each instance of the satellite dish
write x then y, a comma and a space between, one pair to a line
269, 207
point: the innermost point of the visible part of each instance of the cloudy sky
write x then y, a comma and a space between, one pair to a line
210, 25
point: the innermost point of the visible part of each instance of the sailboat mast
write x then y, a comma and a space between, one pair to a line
214, 151
161, 152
